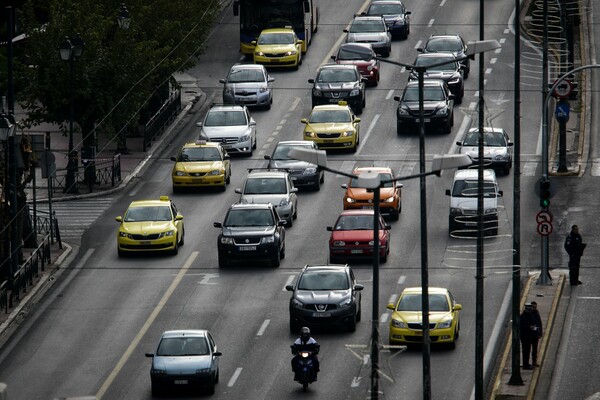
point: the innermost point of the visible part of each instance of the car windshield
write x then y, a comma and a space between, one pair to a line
241, 218
354, 54
324, 280
148, 213
354, 223
468, 188
359, 26
322, 116
490, 139
384, 176
413, 302
246, 75
191, 154
276, 38
426, 61
225, 118
282, 151
453, 45
336, 76
385, 9
429, 94
265, 186
182, 346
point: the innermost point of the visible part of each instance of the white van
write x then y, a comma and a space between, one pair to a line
463, 202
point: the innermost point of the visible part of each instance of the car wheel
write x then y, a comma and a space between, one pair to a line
182, 239
384, 258
217, 377
295, 212
155, 390
507, 169
121, 253
293, 327
317, 186
352, 324
228, 180
452, 345
289, 222
396, 214
223, 263
253, 145
211, 388
322, 180
398, 128
359, 314
176, 189
276, 260
175, 249
282, 252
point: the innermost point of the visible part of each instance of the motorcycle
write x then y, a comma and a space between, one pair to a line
306, 373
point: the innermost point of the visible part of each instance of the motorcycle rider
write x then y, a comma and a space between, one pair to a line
305, 343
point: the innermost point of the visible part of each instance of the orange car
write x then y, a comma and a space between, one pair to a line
390, 193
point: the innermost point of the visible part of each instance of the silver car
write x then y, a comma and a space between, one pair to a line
232, 126
185, 359
371, 30
497, 148
271, 186
248, 84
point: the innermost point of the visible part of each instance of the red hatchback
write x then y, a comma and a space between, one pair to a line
352, 237
363, 56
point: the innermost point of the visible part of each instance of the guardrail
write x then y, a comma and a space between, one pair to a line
106, 170
159, 121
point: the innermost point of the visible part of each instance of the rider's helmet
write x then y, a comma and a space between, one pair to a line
305, 334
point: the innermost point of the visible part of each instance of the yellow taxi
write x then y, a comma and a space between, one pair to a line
278, 47
201, 164
406, 325
333, 126
150, 226
390, 193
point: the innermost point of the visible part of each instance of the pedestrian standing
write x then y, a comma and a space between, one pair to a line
574, 247
525, 324
536, 333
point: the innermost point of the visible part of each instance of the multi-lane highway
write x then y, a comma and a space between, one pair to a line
90, 333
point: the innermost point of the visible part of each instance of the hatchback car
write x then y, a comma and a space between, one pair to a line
248, 84
453, 44
185, 359
450, 72
150, 226
230, 125
278, 47
371, 30
438, 106
352, 237
271, 186
335, 83
396, 16
325, 295
251, 232
363, 56
303, 174
356, 198
201, 164
406, 324
497, 148
333, 127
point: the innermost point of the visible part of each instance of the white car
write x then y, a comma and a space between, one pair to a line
230, 125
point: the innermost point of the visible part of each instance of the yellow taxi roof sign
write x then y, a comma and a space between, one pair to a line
342, 103
164, 198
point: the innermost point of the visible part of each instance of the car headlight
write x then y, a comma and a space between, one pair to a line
310, 170
167, 233
402, 111
263, 89
297, 303
317, 93
267, 239
369, 68
203, 371
372, 242
355, 92
216, 172
291, 53
229, 90
442, 111
124, 234
339, 243
259, 53
347, 133
347, 302
396, 323
310, 134
226, 240
158, 371
180, 173
491, 210
454, 80
399, 21
444, 324
455, 211
389, 200
244, 138
284, 202
500, 157
350, 200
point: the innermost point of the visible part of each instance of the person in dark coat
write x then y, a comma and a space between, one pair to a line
536, 335
526, 333
574, 247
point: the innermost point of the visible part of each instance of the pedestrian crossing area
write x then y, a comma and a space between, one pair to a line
74, 217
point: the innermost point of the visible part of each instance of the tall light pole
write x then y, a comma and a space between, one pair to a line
371, 180
69, 51
7, 135
124, 21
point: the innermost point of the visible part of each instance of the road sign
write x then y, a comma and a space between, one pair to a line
562, 111
563, 89
544, 228
543, 216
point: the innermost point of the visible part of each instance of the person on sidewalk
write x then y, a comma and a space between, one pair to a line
574, 247
536, 335
526, 333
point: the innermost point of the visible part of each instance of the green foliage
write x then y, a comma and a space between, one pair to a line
118, 70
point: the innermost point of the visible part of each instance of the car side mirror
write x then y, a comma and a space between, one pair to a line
289, 288
447, 192
459, 143
222, 80
270, 79
358, 287
330, 228
217, 224
391, 306
238, 191
500, 193
451, 96
509, 144
267, 157
387, 227
227, 157
173, 158
217, 354
199, 124
281, 222
420, 50
346, 30
345, 186
151, 355
294, 190
333, 58
252, 123
397, 98
178, 217
357, 119
457, 307
119, 219
304, 121
311, 80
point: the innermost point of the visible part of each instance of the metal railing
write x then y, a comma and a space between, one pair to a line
107, 170
159, 121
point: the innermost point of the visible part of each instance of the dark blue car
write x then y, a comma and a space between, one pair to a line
395, 15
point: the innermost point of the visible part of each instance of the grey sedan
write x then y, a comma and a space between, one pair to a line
248, 84
497, 148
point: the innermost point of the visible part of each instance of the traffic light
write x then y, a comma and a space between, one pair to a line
544, 194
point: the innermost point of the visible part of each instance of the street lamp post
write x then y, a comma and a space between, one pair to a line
70, 50
7, 135
124, 21
371, 180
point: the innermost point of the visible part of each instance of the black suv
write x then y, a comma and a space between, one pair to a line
438, 106
335, 83
251, 232
450, 72
325, 295
303, 174
454, 44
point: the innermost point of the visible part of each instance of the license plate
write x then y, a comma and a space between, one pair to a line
181, 382
294, 178
247, 248
427, 120
367, 207
328, 141
145, 242
356, 251
418, 333
274, 60
321, 314
334, 101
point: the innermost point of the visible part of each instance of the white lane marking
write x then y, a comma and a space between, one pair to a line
418, 44
289, 281
442, 3
488, 71
498, 50
493, 60
430, 23
263, 327
295, 104
234, 377
384, 318
390, 94
366, 359
363, 140
392, 299
138, 338
502, 40
207, 277
401, 279
355, 381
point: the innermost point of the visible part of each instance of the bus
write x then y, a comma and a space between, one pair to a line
256, 15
